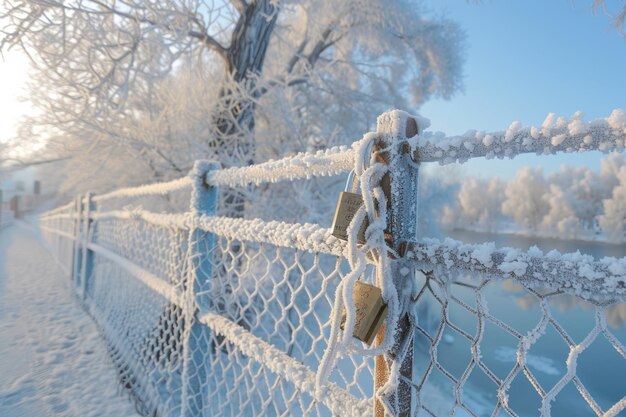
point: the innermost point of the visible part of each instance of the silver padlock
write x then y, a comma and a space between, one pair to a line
371, 312
348, 204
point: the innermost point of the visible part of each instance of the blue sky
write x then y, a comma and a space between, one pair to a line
526, 58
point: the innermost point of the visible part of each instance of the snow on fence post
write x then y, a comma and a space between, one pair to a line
400, 186
196, 343
87, 255
77, 252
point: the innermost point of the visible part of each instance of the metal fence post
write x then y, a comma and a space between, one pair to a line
400, 186
87, 255
77, 252
196, 342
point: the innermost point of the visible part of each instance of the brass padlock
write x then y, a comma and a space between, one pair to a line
371, 312
348, 204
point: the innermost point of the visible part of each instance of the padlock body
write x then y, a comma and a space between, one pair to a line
347, 206
371, 312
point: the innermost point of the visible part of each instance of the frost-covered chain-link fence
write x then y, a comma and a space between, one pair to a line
58, 227
230, 316
511, 343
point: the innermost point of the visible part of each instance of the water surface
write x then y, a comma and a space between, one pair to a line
601, 369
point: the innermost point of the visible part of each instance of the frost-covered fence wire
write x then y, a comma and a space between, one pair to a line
58, 228
207, 315
216, 316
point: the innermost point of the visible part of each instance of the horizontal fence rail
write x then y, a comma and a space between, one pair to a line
163, 188
214, 315
560, 136
573, 273
576, 274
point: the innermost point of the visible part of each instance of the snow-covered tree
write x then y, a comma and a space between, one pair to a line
438, 186
524, 198
561, 219
478, 205
575, 192
616, 12
613, 221
610, 168
576, 197
570, 203
259, 78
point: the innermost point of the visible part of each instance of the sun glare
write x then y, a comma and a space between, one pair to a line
13, 76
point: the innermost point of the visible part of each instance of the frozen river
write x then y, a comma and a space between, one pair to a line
601, 369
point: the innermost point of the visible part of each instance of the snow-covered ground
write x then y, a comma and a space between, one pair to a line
53, 361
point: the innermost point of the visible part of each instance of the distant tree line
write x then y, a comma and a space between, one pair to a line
573, 203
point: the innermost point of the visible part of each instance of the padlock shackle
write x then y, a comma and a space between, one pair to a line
366, 161
351, 185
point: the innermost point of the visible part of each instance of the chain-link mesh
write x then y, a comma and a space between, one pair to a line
282, 296
482, 347
216, 316
144, 328
136, 291
58, 228
490, 347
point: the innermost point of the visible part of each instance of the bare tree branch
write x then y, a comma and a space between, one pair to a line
208, 41
240, 5
22, 163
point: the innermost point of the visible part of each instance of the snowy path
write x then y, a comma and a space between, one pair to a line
52, 360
